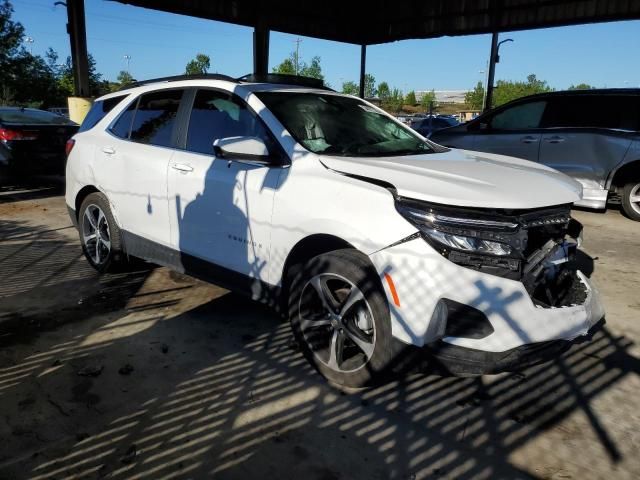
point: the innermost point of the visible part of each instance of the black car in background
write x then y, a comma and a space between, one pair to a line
33, 141
426, 126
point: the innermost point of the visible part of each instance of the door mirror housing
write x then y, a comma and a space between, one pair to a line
251, 149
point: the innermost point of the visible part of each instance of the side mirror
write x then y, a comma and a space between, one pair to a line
252, 149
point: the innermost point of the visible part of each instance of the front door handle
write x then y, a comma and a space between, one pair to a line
108, 150
182, 167
555, 139
528, 139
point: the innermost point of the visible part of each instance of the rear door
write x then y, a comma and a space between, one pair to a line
514, 130
132, 162
587, 135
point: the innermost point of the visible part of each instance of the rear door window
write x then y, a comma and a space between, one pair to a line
520, 117
155, 118
122, 126
593, 111
98, 111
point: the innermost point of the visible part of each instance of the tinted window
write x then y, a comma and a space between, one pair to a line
122, 127
32, 116
601, 111
519, 117
98, 112
155, 117
218, 115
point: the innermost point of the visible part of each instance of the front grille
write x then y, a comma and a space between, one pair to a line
537, 232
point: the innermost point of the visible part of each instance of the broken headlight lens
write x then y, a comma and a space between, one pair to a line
459, 232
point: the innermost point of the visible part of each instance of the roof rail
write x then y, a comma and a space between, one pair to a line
278, 78
284, 79
175, 78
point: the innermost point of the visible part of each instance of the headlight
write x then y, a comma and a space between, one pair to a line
467, 233
468, 243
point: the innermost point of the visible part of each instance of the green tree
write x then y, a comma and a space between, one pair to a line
12, 54
286, 67
64, 78
475, 98
289, 67
350, 88
581, 86
124, 78
313, 70
199, 65
384, 92
396, 100
410, 99
370, 90
506, 91
428, 98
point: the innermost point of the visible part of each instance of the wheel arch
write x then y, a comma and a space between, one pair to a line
303, 251
83, 193
628, 171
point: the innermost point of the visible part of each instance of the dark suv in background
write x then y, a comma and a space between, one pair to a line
591, 135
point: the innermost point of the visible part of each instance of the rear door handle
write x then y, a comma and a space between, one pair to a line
182, 167
528, 139
555, 139
108, 150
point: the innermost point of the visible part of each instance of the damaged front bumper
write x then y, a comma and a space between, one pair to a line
427, 286
467, 361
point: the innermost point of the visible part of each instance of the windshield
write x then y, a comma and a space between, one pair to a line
340, 125
30, 116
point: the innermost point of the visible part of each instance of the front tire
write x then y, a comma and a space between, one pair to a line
100, 235
340, 317
631, 200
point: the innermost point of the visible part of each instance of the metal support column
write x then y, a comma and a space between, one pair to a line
363, 63
78, 37
260, 50
493, 57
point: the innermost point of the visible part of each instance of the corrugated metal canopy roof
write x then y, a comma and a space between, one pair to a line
381, 21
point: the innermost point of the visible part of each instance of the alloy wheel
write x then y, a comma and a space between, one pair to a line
634, 198
336, 322
95, 234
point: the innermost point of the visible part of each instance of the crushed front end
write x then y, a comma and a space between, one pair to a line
488, 290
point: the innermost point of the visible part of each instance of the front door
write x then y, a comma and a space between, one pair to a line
220, 210
514, 131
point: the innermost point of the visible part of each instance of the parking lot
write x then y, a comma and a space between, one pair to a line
152, 374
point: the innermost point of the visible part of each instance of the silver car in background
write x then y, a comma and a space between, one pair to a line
591, 135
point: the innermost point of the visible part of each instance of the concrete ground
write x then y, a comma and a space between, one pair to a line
153, 375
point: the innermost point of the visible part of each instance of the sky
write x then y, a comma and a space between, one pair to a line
161, 44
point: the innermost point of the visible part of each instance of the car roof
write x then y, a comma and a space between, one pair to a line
580, 92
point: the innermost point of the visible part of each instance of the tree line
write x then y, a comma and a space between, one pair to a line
507, 90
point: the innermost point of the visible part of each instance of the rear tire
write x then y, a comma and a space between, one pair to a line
340, 317
100, 235
631, 200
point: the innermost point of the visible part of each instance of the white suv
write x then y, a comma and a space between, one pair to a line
369, 237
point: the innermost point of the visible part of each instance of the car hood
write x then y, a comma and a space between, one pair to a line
465, 178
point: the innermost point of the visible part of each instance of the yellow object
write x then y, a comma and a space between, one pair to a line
78, 108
